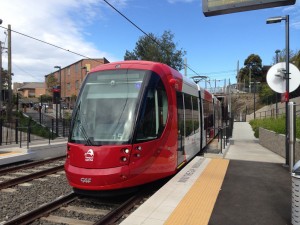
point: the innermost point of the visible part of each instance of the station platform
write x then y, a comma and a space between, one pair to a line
37, 150
248, 185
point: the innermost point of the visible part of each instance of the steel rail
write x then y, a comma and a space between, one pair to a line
42, 210
116, 214
29, 165
18, 180
113, 216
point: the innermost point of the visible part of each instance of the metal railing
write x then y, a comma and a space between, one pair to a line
273, 113
15, 133
223, 137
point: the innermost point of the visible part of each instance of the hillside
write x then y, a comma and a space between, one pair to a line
242, 103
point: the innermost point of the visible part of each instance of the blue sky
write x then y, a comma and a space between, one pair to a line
214, 45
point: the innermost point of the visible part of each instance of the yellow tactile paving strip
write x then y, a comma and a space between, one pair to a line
197, 205
9, 153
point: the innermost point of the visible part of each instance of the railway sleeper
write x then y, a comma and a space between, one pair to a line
65, 220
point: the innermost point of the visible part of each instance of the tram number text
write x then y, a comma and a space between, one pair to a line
86, 180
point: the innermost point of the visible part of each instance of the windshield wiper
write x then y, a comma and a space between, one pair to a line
88, 141
80, 122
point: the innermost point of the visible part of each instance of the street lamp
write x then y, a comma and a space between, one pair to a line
41, 107
60, 94
278, 19
276, 94
254, 101
86, 72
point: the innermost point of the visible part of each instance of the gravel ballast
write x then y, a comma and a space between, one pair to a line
22, 198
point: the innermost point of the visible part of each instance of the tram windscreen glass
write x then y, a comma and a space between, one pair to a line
108, 102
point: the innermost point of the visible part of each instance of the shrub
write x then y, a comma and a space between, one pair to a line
276, 125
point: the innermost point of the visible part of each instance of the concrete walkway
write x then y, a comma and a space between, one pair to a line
244, 146
37, 150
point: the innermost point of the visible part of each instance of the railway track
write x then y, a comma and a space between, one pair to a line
67, 209
19, 174
75, 209
29, 165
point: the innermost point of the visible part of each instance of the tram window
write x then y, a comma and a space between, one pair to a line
154, 112
180, 113
162, 107
189, 126
195, 114
208, 114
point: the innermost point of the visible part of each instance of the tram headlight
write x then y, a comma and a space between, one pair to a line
123, 159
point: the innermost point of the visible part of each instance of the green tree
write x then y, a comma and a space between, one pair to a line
4, 75
51, 81
296, 59
281, 56
254, 65
243, 76
159, 49
267, 95
45, 98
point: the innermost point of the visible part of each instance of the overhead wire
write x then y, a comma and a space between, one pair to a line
48, 43
145, 33
70, 51
26, 72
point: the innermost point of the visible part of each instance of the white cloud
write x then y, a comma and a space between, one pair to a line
177, 1
294, 12
58, 22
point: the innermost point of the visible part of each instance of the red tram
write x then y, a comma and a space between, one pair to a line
136, 122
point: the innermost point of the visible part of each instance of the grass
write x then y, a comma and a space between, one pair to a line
276, 125
35, 128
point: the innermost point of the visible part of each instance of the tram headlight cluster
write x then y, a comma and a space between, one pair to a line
126, 150
126, 157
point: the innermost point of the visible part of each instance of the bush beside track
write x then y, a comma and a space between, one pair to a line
273, 124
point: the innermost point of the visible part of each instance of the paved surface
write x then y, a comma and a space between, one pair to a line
37, 150
255, 189
249, 186
244, 146
254, 193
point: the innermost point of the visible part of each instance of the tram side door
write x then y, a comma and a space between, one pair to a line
180, 125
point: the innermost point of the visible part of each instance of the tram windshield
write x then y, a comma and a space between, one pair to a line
106, 107
113, 103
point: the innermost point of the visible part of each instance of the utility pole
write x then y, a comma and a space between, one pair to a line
0, 73
250, 79
254, 109
185, 66
229, 100
237, 75
9, 105
0, 76
276, 94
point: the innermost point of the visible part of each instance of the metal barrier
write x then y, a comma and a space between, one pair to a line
223, 136
14, 132
272, 113
28, 135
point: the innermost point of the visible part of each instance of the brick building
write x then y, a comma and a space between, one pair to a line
72, 77
30, 89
